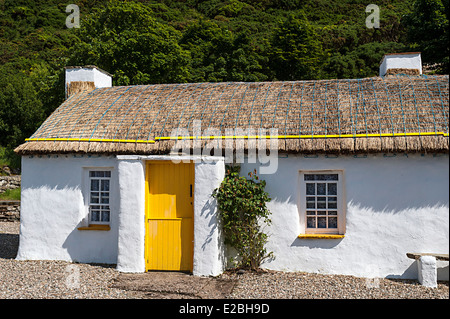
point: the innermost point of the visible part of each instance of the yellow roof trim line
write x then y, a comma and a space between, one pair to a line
62, 139
160, 138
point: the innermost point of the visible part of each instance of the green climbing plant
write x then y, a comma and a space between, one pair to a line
243, 214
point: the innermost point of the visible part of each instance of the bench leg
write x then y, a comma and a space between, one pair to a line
427, 271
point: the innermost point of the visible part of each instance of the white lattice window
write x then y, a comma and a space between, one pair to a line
321, 202
99, 196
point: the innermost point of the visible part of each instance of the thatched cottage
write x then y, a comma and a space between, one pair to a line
357, 169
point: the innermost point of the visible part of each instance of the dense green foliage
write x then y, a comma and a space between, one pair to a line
243, 213
149, 41
428, 29
126, 40
296, 51
20, 108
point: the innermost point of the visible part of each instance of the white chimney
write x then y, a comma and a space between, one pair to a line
89, 77
401, 63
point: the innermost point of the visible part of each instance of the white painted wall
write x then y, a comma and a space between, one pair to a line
395, 205
401, 61
131, 242
89, 74
101, 79
209, 259
52, 208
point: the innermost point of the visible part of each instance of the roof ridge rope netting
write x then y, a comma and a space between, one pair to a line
333, 115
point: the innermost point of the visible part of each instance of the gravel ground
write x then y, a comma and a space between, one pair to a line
58, 279
51, 279
298, 285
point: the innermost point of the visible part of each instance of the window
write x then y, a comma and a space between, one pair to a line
321, 202
99, 197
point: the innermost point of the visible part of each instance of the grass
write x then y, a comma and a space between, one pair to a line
10, 194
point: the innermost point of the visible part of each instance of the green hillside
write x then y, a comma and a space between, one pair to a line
143, 42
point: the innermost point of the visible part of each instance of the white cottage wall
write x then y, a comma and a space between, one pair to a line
53, 207
395, 205
208, 242
131, 241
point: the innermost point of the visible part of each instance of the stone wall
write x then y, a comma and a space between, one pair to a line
9, 209
9, 182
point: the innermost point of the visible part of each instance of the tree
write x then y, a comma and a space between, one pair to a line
363, 61
21, 111
220, 55
124, 39
428, 27
296, 52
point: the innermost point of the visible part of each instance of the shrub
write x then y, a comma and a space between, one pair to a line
243, 213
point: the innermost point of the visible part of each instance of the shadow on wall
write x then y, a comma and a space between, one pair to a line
316, 243
383, 184
443, 273
92, 246
390, 186
391, 201
55, 213
412, 271
208, 210
379, 198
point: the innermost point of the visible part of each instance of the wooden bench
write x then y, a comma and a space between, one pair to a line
427, 270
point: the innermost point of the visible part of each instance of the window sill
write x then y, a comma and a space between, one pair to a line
320, 236
95, 227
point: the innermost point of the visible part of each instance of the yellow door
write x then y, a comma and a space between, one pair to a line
169, 214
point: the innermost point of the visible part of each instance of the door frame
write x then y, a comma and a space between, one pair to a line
147, 164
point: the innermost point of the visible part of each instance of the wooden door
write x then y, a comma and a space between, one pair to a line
169, 214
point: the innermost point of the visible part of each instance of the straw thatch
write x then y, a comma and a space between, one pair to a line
79, 86
402, 71
380, 114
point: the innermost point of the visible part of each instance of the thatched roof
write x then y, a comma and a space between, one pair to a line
380, 114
